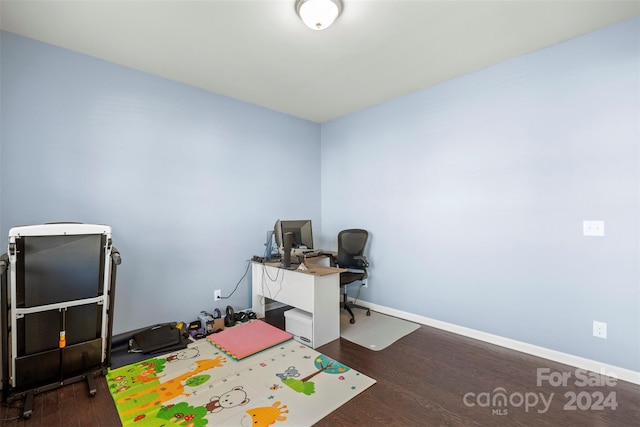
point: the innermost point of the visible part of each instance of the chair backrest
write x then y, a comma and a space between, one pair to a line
351, 243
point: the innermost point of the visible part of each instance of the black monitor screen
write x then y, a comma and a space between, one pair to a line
302, 233
53, 269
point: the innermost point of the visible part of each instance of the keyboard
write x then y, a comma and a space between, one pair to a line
311, 254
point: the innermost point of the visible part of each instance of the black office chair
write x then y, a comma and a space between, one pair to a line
350, 256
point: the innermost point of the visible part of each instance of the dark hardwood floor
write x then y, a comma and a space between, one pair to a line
422, 380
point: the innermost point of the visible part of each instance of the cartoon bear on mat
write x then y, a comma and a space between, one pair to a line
235, 397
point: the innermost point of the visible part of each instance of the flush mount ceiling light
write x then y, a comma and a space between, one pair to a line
318, 14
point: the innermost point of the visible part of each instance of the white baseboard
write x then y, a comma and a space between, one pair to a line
556, 356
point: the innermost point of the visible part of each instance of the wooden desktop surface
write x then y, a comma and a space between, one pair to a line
312, 268
315, 265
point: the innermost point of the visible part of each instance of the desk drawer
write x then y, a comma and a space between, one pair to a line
290, 287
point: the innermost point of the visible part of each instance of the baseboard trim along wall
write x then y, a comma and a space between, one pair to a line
534, 350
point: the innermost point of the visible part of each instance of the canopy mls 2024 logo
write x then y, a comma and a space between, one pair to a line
596, 395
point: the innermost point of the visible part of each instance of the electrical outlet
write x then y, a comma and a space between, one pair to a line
217, 295
599, 329
593, 228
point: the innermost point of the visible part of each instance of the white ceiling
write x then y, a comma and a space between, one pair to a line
260, 52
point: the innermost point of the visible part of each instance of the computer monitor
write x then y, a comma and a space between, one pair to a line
302, 234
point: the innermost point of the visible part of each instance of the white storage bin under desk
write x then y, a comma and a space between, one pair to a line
299, 323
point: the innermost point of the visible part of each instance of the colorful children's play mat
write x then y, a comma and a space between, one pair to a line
286, 385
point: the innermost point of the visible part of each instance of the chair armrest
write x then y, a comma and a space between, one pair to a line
363, 259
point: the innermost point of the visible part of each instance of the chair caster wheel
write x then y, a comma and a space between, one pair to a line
352, 321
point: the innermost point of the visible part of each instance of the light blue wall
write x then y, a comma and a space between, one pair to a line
475, 190
190, 181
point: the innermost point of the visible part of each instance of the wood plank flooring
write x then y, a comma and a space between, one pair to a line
422, 381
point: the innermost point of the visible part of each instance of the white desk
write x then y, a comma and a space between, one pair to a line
316, 291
